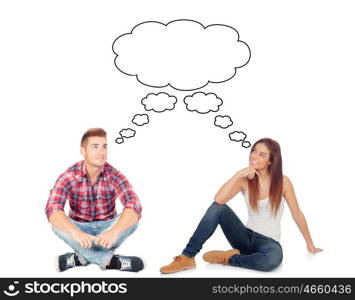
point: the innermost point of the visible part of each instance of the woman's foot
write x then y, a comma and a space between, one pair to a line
180, 263
219, 257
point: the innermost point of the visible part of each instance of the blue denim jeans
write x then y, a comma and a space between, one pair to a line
258, 252
96, 254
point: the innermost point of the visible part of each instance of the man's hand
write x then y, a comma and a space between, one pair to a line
106, 239
83, 238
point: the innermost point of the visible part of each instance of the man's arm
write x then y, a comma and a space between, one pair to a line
59, 220
126, 220
55, 211
127, 195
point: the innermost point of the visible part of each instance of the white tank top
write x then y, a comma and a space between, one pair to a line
263, 220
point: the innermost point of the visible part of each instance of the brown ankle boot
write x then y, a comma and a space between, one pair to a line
219, 257
180, 263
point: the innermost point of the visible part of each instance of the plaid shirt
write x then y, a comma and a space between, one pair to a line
92, 202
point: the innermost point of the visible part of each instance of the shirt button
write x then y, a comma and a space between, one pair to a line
92, 205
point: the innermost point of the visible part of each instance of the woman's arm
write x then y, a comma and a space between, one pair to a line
234, 185
297, 215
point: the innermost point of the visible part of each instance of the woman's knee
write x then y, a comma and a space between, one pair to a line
214, 211
218, 208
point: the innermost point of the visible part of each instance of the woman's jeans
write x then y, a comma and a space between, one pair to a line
96, 254
258, 252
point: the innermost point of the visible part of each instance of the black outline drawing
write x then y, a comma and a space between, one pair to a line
140, 115
205, 27
127, 137
157, 95
203, 113
119, 140
246, 142
215, 120
237, 132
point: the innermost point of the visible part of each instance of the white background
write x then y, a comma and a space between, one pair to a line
58, 78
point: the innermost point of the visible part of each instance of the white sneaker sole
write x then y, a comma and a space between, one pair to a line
56, 263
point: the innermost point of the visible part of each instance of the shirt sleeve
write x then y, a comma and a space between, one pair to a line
128, 197
58, 194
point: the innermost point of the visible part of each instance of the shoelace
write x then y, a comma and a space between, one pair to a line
125, 263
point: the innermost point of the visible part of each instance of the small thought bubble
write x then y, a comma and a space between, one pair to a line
159, 102
140, 120
237, 136
127, 133
203, 103
223, 121
119, 140
246, 144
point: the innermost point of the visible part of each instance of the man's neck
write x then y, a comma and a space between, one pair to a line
92, 171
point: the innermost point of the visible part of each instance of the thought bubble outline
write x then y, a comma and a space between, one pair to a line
140, 115
244, 142
119, 140
225, 116
237, 132
168, 84
172, 96
127, 137
203, 113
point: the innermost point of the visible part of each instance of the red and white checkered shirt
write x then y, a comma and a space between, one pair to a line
92, 202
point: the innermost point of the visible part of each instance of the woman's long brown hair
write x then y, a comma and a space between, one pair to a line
275, 170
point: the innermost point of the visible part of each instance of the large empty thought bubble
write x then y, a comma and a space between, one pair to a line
159, 102
203, 103
183, 54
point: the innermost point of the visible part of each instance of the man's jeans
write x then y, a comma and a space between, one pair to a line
96, 254
258, 252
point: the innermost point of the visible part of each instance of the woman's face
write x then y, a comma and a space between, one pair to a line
260, 157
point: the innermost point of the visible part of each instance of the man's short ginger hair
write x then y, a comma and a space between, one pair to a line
92, 132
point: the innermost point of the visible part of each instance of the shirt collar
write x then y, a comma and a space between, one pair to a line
84, 173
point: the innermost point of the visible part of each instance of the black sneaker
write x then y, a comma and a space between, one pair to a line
126, 263
67, 261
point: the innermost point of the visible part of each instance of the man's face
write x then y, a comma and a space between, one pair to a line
95, 151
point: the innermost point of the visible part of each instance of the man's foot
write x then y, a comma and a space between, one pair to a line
126, 263
67, 261
219, 257
180, 263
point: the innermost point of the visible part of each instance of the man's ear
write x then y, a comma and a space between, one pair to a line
82, 151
